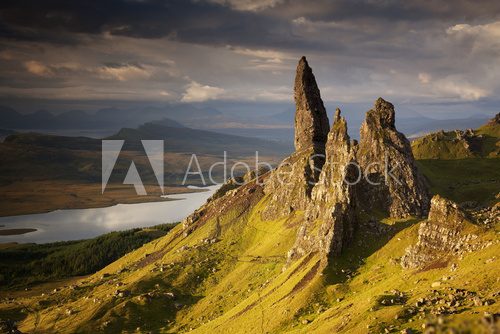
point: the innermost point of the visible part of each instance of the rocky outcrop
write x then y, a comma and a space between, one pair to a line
392, 182
442, 235
495, 120
330, 216
290, 185
237, 181
311, 121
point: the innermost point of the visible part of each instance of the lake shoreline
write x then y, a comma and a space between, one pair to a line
17, 231
78, 224
20, 199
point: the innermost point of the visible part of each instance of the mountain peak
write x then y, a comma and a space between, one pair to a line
311, 121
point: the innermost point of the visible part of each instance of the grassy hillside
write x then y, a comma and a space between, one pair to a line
229, 276
482, 142
463, 180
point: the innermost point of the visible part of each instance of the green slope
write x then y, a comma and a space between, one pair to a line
482, 142
227, 276
463, 180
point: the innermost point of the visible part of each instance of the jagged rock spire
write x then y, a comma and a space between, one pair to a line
382, 115
311, 121
386, 158
290, 185
331, 213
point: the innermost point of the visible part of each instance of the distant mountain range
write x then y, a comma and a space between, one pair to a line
35, 156
277, 126
184, 139
109, 118
176, 137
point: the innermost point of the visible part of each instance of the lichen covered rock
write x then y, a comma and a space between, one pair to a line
444, 234
330, 215
392, 181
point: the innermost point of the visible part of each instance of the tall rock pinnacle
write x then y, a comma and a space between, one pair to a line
290, 185
311, 121
395, 185
331, 213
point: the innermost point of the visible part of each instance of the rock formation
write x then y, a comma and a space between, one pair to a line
392, 181
290, 185
441, 236
330, 216
311, 121
305, 182
322, 179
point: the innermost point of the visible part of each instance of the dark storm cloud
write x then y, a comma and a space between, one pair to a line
188, 50
390, 10
184, 20
208, 22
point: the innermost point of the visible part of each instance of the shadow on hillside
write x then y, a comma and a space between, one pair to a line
369, 237
9, 316
151, 306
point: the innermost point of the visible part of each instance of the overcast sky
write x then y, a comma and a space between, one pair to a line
436, 57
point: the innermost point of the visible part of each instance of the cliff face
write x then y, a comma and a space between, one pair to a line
392, 182
442, 236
